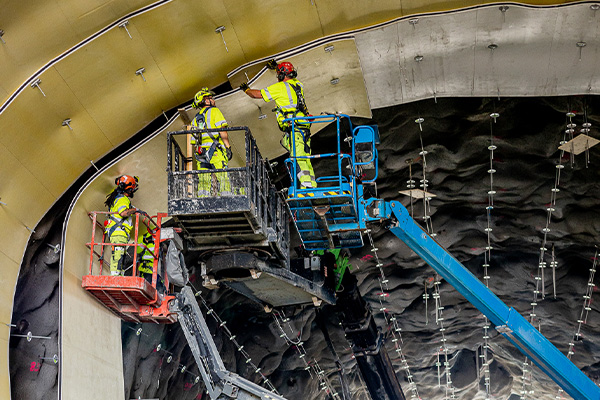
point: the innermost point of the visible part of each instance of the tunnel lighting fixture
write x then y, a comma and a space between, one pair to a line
492, 47
595, 7
36, 84
329, 49
140, 72
413, 21
2, 34
418, 58
335, 81
220, 30
67, 122
124, 26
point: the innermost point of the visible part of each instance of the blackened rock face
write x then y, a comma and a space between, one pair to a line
456, 134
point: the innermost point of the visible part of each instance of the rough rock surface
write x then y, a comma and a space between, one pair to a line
456, 135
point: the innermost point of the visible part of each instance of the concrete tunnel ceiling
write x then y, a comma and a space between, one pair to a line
86, 62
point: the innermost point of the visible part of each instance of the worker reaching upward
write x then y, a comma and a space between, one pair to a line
120, 223
288, 94
213, 151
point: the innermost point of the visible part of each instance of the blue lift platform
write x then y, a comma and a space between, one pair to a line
335, 215
330, 216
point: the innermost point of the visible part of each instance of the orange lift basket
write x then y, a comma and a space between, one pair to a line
131, 297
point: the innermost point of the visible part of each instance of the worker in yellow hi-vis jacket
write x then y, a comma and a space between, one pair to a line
120, 223
213, 151
145, 256
288, 94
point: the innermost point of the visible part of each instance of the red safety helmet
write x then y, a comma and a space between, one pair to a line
285, 69
127, 183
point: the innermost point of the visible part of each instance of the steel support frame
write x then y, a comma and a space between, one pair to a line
507, 320
220, 383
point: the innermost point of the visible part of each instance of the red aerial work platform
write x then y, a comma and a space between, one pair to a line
132, 298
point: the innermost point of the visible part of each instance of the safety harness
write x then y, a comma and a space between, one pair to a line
118, 223
202, 156
304, 129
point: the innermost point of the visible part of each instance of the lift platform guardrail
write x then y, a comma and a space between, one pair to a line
226, 208
329, 216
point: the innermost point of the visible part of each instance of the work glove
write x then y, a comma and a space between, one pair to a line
244, 86
272, 64
229, 153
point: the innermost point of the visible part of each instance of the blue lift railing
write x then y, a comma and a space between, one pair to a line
329, 181
328, 216
507, 320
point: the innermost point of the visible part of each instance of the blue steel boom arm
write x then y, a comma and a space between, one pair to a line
338, 210
507, 320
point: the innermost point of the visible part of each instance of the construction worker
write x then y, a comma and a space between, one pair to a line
145, 256
213, 151
120, 223
335, 263
288, 94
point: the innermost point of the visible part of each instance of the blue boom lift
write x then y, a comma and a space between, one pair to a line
336, 214
244, 239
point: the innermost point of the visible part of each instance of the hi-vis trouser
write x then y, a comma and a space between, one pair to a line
118, 252
145, 259
218, 181
304, 169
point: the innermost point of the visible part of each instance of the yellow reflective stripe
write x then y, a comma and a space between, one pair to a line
266, 95
292, 105
208, 113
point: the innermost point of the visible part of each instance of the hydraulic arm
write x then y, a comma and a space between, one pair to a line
220, 383
507, 320
367, 343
